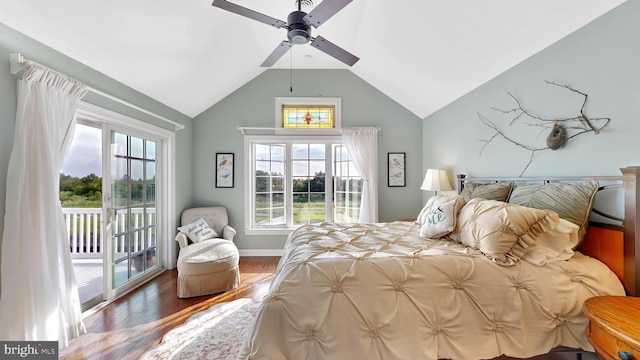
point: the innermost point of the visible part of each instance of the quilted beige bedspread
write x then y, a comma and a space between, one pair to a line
380, 291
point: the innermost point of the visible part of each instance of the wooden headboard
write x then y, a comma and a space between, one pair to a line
617, 244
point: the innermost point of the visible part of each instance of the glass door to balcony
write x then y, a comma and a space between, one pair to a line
132, 205
81, 198
114, 190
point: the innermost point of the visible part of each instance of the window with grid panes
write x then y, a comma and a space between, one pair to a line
297, 181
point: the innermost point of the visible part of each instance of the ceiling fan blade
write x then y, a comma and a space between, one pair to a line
334, 50
277, 53
325, 10
240, 10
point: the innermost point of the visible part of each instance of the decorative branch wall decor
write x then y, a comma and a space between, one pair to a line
560, 131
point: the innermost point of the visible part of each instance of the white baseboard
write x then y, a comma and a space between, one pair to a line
260, 252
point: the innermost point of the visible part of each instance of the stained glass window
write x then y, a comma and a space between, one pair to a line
308, 117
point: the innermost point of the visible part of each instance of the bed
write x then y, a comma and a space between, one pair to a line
397, 291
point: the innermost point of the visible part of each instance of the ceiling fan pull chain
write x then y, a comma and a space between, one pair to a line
291, 70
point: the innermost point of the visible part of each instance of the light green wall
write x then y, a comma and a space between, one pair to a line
14, 42
601, 59
215, 130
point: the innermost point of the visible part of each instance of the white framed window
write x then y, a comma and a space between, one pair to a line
294, 180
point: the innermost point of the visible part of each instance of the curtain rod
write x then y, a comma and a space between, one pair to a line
19, 63
243, 128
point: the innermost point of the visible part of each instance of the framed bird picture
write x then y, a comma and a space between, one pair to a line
224, 170
396, 169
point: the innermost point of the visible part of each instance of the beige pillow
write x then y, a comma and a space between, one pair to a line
438, 217
553, 245
498, 192
572, 202
500, 230
198, 230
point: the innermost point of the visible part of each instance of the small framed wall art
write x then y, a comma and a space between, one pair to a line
224, 170
397, 176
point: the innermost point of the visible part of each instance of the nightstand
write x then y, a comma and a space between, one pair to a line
614, 326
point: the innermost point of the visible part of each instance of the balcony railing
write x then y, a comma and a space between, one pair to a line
84, 226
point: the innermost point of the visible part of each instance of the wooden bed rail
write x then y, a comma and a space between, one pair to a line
631, 230
621, 255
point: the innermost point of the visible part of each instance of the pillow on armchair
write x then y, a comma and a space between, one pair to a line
214, 217
198, 230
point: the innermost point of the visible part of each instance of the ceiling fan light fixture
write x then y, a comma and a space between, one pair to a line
298, 37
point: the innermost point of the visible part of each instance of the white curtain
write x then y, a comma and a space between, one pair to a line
362, 144
39, 298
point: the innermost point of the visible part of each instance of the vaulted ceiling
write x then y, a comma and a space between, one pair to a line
189, 55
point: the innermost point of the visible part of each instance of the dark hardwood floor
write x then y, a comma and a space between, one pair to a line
131, 325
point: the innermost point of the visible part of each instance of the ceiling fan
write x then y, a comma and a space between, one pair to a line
298, 27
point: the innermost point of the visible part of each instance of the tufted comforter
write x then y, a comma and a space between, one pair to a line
380, 291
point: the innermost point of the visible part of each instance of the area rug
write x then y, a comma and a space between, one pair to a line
215, 333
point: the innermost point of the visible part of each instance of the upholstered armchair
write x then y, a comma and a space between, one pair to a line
208, 259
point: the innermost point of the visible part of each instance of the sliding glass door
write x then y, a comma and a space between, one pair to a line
126, 226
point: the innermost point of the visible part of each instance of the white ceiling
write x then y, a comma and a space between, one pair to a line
189, 55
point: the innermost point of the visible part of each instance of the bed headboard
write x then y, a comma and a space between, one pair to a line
617, 244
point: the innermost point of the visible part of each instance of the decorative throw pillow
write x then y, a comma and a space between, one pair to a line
498, 191
572, 202
553, 245
438, 217
439, 199
198, 230
500, 230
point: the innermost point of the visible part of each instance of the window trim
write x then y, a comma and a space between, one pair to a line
249, 170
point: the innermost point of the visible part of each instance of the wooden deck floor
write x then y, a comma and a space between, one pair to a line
131, 325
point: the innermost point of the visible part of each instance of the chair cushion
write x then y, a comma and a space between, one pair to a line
208, 256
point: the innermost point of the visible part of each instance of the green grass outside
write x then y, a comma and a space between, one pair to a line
305, 212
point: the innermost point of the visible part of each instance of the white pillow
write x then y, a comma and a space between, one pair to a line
554, 245
198, 230
438, 217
